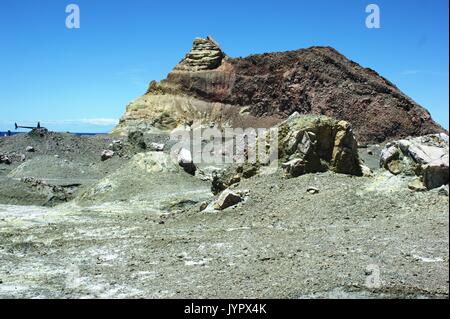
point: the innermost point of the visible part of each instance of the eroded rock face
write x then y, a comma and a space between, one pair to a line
263, 90
204, 55
166, 112
425, 156
310, 144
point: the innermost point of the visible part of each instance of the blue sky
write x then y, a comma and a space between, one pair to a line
82, 79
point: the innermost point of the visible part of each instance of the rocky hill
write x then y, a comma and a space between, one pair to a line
261, 90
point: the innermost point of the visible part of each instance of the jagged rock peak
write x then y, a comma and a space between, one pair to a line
205, 54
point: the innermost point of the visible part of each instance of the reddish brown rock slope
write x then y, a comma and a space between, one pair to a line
316, 80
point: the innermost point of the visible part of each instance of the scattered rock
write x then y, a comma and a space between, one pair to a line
294, 168
203, 206
232, 175
30, 149
107, 154
218, 183
116, 145
443, 190
157, 147
186, 162
227, 199
395, 167
249, 170
388, 154
235, 179
425, 156
243, 193
207, 173
5, 160
312, 190
417, 185
366, 171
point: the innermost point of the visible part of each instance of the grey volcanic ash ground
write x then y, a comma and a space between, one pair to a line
119, 229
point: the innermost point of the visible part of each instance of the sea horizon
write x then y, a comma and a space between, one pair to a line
5, 133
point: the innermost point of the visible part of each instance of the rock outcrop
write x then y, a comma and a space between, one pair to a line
425, 156
262, 90
205, 55
309, 144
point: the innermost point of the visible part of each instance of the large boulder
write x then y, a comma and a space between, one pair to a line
310, 144
425, 156
227, 199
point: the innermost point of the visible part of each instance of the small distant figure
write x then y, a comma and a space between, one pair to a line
9, 133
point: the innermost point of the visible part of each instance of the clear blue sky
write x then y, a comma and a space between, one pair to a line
81, 80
